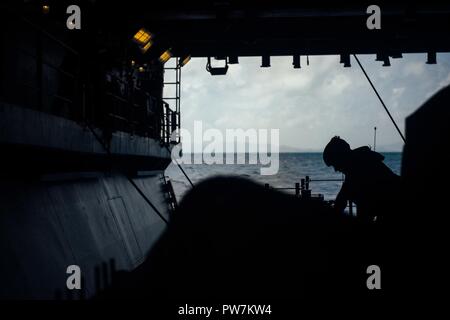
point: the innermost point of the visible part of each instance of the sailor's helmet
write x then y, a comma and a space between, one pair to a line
335, 151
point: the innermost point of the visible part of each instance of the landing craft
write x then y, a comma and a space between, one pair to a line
85, 133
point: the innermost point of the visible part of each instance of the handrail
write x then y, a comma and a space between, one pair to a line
312, 180
302, 189
120, 106
169, 123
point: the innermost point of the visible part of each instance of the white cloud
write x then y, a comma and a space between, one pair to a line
445, 82
311, 104
397, 92
415, 68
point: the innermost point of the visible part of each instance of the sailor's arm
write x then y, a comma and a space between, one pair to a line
341, 199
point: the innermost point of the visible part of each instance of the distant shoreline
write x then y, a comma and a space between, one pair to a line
288, 152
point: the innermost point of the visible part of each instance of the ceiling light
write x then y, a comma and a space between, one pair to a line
296, 61
147, 46
184, 60
345, 59
216, 71
431, 58
233, 59
165, 56
142, 37
265, 61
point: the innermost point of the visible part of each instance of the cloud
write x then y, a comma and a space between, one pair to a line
311, 104
415, 68
398, 92
445, 82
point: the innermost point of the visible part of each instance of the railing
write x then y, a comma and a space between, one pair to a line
133, 110
139, 113
147, 117
302, 191
43, 73
302, 188
170, 122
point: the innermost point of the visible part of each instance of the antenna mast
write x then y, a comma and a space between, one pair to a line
374, 138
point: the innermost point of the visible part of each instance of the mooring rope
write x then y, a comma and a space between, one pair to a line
379, 97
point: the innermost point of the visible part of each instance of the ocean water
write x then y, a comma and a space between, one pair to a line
292, 168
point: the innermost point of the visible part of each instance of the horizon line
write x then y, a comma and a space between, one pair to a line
277, 152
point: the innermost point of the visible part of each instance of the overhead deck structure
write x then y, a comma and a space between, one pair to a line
255, 28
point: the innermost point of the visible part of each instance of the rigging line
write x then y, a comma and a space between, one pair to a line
379, 97
147, 200
181, 168
108, 151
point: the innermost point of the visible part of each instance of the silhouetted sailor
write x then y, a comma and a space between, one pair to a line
369, 183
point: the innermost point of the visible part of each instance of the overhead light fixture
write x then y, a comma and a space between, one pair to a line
133, 63
265, 61
233, 59
142, 37
184, 60
216, 71
296, 61
385, 58
165, 56
431, 58
45, 9
147, 46
141, 69
345, 59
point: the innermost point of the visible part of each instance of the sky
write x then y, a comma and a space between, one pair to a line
312, 104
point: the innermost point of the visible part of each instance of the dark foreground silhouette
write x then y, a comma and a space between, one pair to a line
232, 238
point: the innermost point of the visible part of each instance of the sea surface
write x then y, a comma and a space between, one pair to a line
292, 168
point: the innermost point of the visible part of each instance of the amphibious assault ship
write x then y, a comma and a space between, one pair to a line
85, 130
